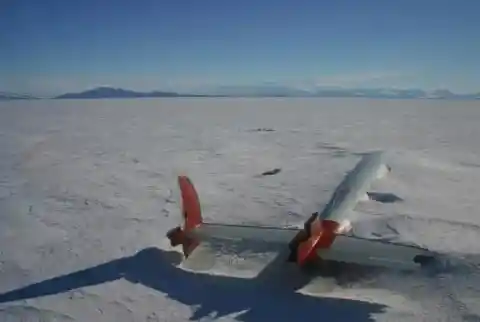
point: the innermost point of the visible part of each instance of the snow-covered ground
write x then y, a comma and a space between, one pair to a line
88, 190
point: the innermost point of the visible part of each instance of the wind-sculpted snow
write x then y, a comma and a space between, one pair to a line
88, 191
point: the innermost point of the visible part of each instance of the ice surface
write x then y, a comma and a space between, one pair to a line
88, 191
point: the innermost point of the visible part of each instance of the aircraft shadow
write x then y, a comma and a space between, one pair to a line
257, 299
384, 197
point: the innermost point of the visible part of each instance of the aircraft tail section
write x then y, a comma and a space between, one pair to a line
192, 217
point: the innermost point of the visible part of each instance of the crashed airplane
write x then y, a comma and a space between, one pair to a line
325, 234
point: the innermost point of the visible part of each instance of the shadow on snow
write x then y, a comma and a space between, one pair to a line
257, 299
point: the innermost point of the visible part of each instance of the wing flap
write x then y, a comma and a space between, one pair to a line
228, 257
268, 234
378, 253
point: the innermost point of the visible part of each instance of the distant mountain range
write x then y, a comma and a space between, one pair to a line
276, 91
13, 96
283, 91
261, 91
110, 92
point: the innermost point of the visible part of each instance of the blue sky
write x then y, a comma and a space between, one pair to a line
52, 46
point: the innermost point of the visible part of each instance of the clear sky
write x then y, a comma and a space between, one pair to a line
52, 46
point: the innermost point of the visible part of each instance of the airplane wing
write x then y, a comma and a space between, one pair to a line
349, 249
323, 235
